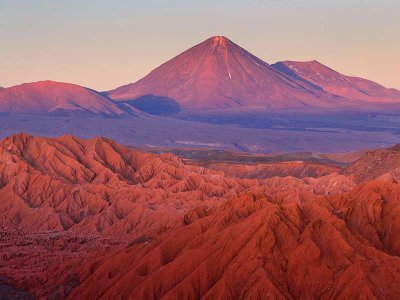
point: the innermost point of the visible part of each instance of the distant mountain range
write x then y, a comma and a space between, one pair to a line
216, 75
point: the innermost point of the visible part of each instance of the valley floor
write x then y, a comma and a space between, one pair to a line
261, 135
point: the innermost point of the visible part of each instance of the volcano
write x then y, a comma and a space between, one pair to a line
50, 97
320, 76
219, 74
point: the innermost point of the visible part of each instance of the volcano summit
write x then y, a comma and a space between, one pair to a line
217, 74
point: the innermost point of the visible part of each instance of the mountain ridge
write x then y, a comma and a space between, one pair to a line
215, 75
56, 98
218, 74
79, 218
331, 81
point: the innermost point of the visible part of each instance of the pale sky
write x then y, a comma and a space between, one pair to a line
105, 44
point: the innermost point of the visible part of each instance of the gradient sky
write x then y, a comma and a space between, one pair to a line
104, 44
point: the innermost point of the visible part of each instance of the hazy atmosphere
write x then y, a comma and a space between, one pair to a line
199, 149
104, 44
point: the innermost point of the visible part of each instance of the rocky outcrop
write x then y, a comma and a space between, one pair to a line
92, 219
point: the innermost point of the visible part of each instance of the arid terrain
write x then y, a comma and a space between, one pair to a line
216, 176
213, 150
92, 219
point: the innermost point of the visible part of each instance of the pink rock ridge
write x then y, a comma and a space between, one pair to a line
92, 219
55, 97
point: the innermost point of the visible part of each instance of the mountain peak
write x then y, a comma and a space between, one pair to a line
333, 82
218, 42
219, 74
302, 63
219, 39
